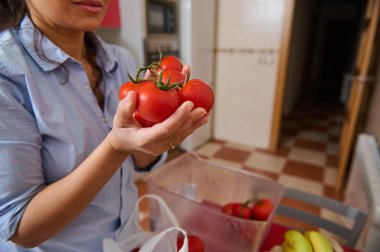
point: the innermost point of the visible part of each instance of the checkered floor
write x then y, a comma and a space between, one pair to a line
306, 160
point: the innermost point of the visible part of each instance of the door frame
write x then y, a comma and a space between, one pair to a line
284, 52
358, 88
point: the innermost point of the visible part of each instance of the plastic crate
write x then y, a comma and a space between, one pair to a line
196, 189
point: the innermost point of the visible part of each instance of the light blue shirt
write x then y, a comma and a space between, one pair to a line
47, 128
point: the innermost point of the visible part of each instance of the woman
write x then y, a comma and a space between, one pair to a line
68, 147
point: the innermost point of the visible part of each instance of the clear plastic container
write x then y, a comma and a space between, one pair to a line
196, 189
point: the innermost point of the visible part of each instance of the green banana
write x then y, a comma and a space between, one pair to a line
318, 241
295, 241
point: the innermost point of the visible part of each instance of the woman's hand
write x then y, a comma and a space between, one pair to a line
127, 135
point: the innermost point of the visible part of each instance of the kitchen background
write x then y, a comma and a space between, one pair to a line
237, 46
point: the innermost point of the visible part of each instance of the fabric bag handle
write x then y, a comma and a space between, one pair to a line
155, 240
132, 232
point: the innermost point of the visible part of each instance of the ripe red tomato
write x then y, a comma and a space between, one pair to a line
228, 208
195, 243
154, 104
126, 87
242, 210
175, 77
171, 63
237, 209
199, 92
142, 121
262, 209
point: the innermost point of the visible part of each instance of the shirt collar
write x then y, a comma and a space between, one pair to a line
55, 56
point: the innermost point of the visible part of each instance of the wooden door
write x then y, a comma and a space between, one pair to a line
357, 90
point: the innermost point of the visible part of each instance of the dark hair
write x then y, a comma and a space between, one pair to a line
11, 13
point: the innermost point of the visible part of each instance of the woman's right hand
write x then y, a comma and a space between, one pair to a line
129, 136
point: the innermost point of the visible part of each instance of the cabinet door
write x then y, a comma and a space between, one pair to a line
112, 18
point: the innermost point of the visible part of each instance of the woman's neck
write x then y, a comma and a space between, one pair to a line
70, 41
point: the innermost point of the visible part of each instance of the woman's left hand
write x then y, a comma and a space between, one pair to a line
128, 136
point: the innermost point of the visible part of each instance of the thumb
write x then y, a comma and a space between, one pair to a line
125, 109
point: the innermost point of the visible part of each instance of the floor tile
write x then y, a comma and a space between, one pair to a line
335, 131
330, 176
209, 149
281, 152
232, 154
332, 161
332, 149
313, 136
334, 139
308, 156
271, 175
302, 184
304, 170
329, 191
308, 144
266, 162
312, 127
239, 146
292, 124
286, 141
225, 162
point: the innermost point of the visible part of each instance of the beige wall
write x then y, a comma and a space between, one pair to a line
248, 40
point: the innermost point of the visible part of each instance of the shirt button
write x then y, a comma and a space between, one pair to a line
104, 119
87, 87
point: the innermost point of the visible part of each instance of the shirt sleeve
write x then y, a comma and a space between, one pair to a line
21, 175
158, 162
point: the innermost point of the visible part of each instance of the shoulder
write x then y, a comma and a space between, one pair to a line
12, 61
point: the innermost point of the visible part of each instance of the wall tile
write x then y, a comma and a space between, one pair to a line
246, 72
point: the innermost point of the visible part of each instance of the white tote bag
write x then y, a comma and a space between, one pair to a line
163, 236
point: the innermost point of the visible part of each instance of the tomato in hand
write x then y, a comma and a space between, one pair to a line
195, 243
154, 104
171, 63
262, 209
126, 87
198, 92
142, 121
175, 77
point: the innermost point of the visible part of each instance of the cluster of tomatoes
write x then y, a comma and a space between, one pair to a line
195, 243
166, 89
252, 210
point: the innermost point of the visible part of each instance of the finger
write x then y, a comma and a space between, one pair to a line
189, 129
147, 75
176, 120
186, 70
166, 128
125, 109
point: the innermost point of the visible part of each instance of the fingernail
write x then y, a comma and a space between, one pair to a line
189, 106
